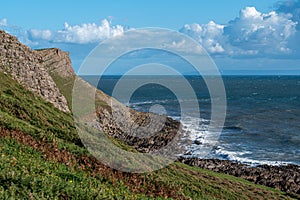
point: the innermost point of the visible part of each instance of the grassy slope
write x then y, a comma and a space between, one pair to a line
42, 157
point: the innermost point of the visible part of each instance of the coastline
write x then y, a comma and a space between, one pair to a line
285, 178
47, 135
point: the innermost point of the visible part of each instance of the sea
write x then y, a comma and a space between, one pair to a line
262, 124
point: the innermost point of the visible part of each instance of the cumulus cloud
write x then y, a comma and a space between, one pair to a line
259, 33
79, 34
290, 7
251, 34
40, 34
209, 35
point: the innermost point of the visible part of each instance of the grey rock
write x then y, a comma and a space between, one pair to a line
285, 178
29, 68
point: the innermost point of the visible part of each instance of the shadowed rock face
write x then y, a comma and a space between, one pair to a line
29, 68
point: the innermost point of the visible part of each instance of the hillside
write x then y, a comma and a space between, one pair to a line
43, 157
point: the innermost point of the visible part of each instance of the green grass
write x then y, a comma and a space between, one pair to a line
213, 185
22, 106
25, 172
65, 85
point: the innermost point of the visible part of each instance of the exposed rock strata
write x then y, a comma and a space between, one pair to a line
57, 61
28, 68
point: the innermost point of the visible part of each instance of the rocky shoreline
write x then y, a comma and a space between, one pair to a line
33, 69
285, 178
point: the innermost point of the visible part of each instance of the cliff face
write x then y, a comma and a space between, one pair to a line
57, 61
49, 73
29, 68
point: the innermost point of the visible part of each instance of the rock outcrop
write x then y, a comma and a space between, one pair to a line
28, 67
285, 178
38, 70
57, 61
146, 132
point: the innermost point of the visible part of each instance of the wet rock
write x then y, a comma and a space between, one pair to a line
197, 142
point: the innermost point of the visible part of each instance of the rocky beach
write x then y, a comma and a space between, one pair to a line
285, 178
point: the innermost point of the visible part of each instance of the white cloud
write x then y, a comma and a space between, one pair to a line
251, 34
79, 34
254, 31
3, 22
209, 35
250, 12
180, 45
40, 34
290, 7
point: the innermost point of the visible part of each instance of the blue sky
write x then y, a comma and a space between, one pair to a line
136, 13
243, 37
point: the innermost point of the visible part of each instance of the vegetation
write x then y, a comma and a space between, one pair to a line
65, 85
42, 157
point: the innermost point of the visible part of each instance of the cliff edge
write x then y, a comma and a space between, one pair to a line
29, 68
49, 73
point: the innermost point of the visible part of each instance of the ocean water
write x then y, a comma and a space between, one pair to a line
262, 123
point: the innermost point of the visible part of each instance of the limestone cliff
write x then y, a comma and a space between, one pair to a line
28, 67
57, 61
49, 73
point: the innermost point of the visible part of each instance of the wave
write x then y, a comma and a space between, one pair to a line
200, 136
197, 135
196, 130
147, 102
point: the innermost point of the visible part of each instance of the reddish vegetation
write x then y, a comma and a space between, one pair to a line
135, 182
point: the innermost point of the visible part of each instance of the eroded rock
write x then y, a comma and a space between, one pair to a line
28, 68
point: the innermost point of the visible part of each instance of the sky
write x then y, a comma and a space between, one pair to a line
242, 36
34, 14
